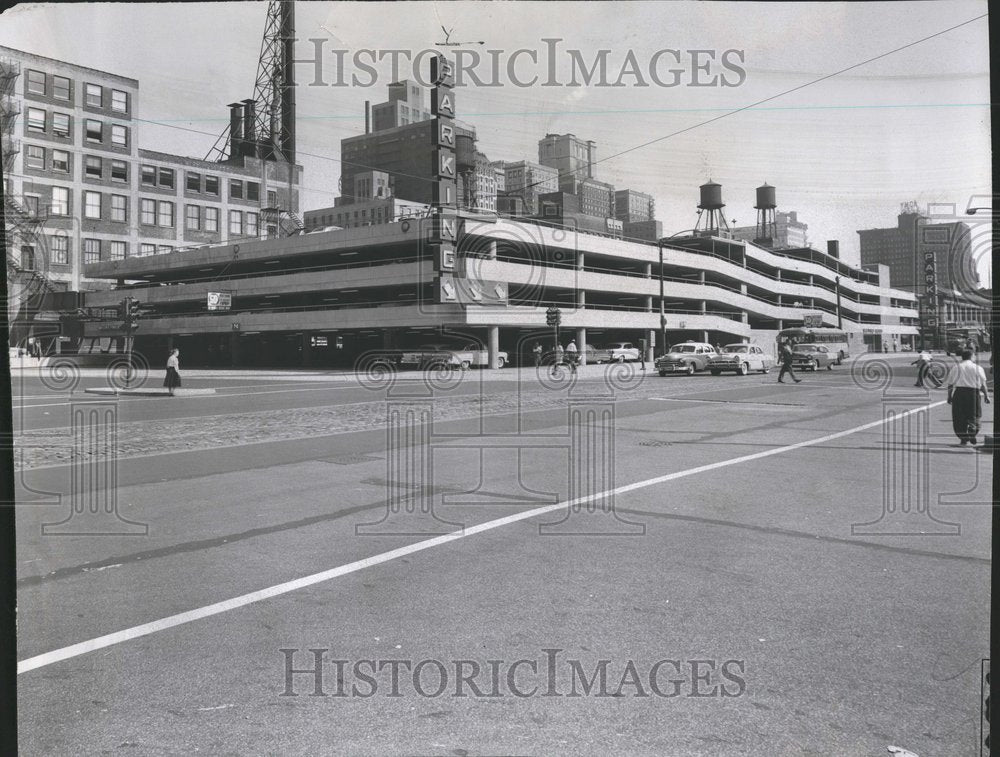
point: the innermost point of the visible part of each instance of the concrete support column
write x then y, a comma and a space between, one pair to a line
234, 347
306, 349
781, 325
701, 277
581, 342
493, 345
704, 307
744, 317
580, 259
581, 298
811, 281
743, 288
491, 250
649, 304
649, 270
704, 336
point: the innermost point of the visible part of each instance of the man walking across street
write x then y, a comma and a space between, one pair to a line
786, 364
572, 355
536, 353
966, 385
923, 363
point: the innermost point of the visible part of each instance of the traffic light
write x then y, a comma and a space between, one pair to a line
553, 316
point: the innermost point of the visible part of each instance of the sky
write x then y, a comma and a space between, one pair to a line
868, 105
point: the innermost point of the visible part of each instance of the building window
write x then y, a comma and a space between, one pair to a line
235, 187
36, 119
28, 257
31, 204
119, 208
146, 249
60, 250
92, 205
60, 201
119, 135
253, 191
164, 248
252, 226
192, 182
61, 87
235, 223
94, 95
193, 215
148, 176
211, 219
147, 212
119, 250
212, 185
92, 167
119, 101
60, 125
165, 213
272, 198
119, 171
60, 161
35, 157
94, 133
36, 82
91, 251
167, 178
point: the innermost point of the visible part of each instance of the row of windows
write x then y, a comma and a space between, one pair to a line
62, 126
61, 88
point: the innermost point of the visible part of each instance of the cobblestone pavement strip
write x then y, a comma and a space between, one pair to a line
53, 446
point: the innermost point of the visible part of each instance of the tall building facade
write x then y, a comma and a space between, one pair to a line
789, 231
634, 207
81, 190
405, 106
572, 157
528, 181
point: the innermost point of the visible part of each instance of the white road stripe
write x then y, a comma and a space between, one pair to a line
75, 650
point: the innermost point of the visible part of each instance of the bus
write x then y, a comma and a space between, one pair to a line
957, 339
836, 341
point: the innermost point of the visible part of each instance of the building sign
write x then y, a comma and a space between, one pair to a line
443, 169
220, 301
462, 291
812, 320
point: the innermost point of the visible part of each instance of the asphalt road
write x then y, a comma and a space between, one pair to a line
816, 578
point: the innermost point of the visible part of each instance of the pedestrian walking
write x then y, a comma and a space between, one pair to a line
923, 363
786, 364
967, 391
536, 353
895, 346
173, 378
572, 355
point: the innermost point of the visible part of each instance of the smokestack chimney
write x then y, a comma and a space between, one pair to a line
235, 130
591, 149
288, 80
833, 248
368, 116
250, 129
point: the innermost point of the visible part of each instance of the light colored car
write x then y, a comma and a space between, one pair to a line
619, 352
464, 357
741, 359
812, 357
686, 357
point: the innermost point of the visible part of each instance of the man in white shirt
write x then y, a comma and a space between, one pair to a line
572, 355
966, 384
923, 363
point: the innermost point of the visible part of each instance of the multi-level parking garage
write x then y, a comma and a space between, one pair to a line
324, 298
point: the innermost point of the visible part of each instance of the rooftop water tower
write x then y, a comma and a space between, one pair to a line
711, 218
766, 227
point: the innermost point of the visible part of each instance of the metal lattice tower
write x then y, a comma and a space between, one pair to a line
270, 133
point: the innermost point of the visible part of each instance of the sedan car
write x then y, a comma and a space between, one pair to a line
687, 357
619, 352
741, 359
812, 357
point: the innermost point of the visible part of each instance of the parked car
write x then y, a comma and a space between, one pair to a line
619, 352
741, 359
812, 357
687, 357
464, 357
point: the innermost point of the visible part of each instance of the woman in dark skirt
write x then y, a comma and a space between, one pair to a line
173, 377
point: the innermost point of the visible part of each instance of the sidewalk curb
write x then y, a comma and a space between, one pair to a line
106, 391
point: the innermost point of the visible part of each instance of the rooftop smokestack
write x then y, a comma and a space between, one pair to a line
250, 128
368, 116
235, 131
